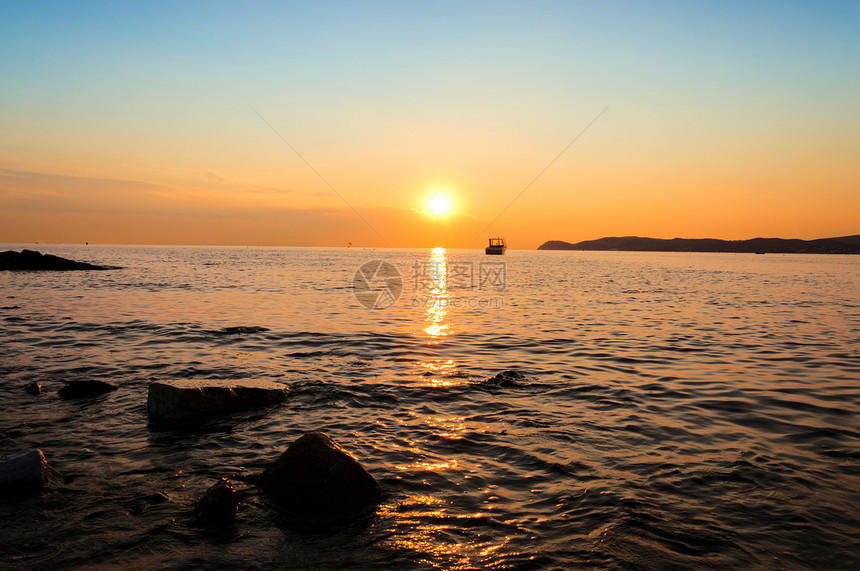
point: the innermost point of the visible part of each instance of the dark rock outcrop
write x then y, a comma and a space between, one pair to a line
33, 388
506, 379
217, 506
84, 389
241, 330
182, 401
30, 260
315, 476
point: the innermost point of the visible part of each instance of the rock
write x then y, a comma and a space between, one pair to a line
218, 505
187, 400
506, 379
25, 471
82, 389
29, 260
316, 476
33, 388
240, 330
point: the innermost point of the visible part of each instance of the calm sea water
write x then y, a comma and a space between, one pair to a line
680, 410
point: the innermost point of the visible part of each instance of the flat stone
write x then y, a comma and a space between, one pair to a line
315, 476
187, 400
23, 471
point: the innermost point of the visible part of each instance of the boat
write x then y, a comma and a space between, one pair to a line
497, 247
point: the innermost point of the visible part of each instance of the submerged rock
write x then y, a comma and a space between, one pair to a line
83, 389
315, 476
25, 471
33, 388
218, 505
30, 260
506, 379
240, 330
187, 400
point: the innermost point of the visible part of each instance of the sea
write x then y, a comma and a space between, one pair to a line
663, 410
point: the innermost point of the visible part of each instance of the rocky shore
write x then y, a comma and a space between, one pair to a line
314, 479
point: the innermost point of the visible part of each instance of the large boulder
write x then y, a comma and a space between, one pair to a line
30, 260
84, 389
25, 471
189, 400
316, 476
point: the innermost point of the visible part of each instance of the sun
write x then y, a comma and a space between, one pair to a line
439, 205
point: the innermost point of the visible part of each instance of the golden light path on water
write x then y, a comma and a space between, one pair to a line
436, 282
433, 540
431, 525
433, 278
429, 519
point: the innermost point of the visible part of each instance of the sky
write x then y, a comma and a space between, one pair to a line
427, 124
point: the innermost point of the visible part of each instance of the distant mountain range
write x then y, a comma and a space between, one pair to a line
842, 245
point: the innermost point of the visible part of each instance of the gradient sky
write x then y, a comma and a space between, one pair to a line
137, 122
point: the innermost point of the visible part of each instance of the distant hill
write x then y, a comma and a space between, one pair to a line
842, 245
849, 239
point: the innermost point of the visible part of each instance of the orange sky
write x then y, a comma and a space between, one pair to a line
119, 126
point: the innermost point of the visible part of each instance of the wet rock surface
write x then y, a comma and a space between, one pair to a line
25, 471
315, 476
84, 389
217, 506
240, 330
31, 260
506, 379
180, 401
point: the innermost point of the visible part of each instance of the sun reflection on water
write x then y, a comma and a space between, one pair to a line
434, 537
436, 301
438, 373
429, 466
436, 294
430, 526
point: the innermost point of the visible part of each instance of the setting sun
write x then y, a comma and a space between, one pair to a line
439, 205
